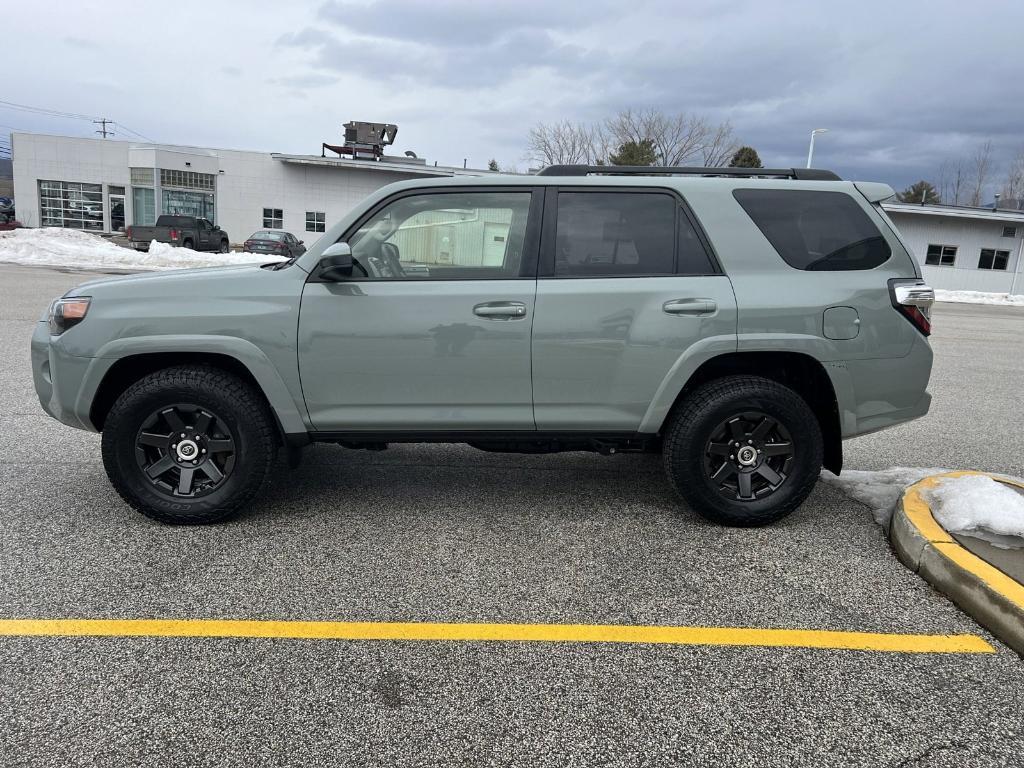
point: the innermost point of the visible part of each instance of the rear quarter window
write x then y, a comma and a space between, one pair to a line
816, 231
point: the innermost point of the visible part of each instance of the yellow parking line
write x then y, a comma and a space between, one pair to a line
547, 633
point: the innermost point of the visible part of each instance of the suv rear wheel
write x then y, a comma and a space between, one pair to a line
189, 444
743, 450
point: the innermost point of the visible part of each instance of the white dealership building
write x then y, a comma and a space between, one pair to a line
964, 249
103, 185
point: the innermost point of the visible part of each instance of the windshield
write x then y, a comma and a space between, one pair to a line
268, 236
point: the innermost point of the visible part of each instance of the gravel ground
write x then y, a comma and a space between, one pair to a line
447, 533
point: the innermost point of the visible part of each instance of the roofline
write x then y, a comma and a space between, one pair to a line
954, 212
383, 166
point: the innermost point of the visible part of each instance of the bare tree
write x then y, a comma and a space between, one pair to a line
719, 146
564, 143
981, 168
678, 139
1013, 188
952, 181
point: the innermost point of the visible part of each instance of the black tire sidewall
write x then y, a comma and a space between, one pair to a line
137, 404
694, 427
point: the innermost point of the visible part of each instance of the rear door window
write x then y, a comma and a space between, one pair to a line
816, 231
615, 234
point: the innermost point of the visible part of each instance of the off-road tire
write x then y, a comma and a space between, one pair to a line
694, 421
243, 410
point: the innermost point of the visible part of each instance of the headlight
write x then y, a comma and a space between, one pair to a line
65, 313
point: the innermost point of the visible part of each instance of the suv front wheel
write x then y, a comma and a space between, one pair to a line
189, 444
743, 450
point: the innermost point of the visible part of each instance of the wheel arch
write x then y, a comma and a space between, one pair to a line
110, 377
800, 372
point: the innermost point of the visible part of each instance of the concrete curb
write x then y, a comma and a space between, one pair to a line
984, 592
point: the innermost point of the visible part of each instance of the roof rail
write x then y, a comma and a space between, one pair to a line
799, 174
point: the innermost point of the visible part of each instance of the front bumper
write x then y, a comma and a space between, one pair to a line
58, 379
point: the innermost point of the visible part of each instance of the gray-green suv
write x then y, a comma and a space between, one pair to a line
742, 323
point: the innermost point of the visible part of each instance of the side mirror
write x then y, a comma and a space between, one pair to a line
302, 242
336, 262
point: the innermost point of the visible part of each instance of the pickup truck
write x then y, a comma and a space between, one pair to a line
186, 231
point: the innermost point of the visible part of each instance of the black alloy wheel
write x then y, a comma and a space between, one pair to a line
185, 451
749, 456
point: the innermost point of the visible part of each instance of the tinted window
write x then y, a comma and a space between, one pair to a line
458, 235
818, 231
693, 259
615, 233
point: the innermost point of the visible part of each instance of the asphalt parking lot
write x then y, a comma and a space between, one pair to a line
450, 534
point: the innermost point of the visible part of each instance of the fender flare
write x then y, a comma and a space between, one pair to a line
289, 413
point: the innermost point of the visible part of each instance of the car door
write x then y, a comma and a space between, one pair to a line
202, 234
426, 336
629, 300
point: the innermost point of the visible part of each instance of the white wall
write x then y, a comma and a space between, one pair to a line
247, 182
969, 236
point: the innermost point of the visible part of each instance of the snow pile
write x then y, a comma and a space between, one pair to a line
979, 297
981, 507
82, 250
879, 490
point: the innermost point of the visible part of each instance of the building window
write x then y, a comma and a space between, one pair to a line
1009, 231
186, 179
941, 255
198, 204
142, 177
273, 218
143, 207
993, 259
71, 205
315, 221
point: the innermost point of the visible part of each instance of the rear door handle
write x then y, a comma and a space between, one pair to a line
690, 307
500, 310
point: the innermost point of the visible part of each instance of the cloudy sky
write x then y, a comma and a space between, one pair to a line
901, 85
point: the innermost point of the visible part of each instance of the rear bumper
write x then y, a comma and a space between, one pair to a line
880, 393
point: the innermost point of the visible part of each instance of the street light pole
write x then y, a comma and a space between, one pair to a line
810, 150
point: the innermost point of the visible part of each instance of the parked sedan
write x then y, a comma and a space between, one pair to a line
6, 209
274, 241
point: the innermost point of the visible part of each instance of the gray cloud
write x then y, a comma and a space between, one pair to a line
902, 86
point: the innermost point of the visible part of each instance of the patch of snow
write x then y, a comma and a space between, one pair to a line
981, 507
83, 250
879, 490
979, 297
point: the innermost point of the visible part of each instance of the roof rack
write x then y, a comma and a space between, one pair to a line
799, 174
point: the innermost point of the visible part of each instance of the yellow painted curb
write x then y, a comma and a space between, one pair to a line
990, 596
550, 633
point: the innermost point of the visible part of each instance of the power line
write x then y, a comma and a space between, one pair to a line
45, 111
124, 127
102, 121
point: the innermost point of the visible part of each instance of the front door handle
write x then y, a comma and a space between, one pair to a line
690, 307
500, 310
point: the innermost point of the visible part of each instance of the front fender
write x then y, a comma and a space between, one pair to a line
290, 413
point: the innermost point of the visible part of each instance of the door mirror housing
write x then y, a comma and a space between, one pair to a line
336, 262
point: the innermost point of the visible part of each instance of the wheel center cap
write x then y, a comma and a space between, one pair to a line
187, 450
747, 456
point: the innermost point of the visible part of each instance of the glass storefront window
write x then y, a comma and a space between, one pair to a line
143, 207
71, 204
198, 204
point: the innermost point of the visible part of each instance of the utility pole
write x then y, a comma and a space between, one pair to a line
103, 130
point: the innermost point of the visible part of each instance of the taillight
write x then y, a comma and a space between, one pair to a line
173, 234
128, 233
913, 299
